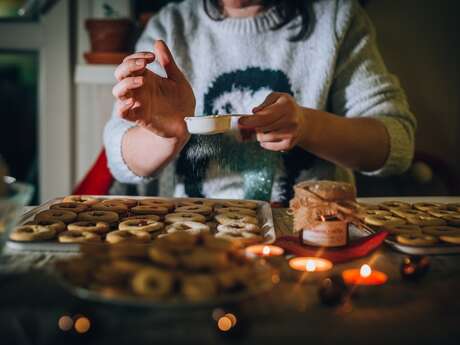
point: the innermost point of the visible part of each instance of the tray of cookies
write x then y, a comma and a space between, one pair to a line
63, 224
180, 269
420, 228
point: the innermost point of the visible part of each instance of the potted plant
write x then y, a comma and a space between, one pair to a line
110, 37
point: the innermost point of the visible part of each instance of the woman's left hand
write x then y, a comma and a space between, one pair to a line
279, 122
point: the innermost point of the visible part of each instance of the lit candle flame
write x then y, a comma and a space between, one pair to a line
365, 271
266, 250
310, 266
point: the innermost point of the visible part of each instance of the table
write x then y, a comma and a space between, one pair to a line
401, 312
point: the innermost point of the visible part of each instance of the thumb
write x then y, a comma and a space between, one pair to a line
269, 100
166, 60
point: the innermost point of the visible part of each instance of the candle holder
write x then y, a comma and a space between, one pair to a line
364, 282
264, 250
311, 269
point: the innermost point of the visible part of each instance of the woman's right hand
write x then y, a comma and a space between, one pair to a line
153, 102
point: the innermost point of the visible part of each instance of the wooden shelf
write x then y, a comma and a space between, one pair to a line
95, 74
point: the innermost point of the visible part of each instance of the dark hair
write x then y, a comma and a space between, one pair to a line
287, 10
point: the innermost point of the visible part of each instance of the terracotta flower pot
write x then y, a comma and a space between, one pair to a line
109, 35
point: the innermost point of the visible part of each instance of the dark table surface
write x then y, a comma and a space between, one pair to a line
402, 312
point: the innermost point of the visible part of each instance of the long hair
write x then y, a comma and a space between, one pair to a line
287, 10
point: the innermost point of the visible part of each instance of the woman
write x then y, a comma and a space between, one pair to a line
323, 101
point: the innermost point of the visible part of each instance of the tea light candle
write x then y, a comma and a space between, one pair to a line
310, 264
310, 269
364, 276
264, 250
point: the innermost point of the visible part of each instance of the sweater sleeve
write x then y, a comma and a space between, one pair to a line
116, 127
362, 87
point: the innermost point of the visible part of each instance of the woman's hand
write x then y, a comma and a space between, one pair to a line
153, 102
279, 122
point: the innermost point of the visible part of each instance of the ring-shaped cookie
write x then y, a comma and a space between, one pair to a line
226, 218
203, 210
240, 203
125, 236
238, 228
152, 283
148, 225
143, 216
190, 227
198, 287
149, 209
197, 202
440, 230
406, 229
162, 256
125, 201
78, 237
417, 240
184, 217
30, 233
99, 216
212, 242
425, 220
110, 206
404, 212
426, 206
70, 206
387, 205
56, 225
244, 238
246, 211
384, 221
82, 199
56, 215
177, 242
157, 202
88, 226
377, 213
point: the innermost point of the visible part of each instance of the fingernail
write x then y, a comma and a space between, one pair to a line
140, 62
128, 101
138, 81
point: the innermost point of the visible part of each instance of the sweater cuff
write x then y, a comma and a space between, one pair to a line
401, 149
117, 164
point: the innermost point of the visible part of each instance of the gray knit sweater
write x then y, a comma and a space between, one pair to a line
235, 63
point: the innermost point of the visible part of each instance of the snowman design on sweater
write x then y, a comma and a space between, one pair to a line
236, 92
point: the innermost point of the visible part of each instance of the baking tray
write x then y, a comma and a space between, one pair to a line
439, 249
264, 216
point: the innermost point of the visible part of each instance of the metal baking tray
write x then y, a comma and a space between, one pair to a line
264, 216
438, 249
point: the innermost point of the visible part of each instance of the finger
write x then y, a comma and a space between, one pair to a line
131, 67
166, 60
122, 88
149, 56
274, 136
282, 145
264, 118
123, 106
270, 99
